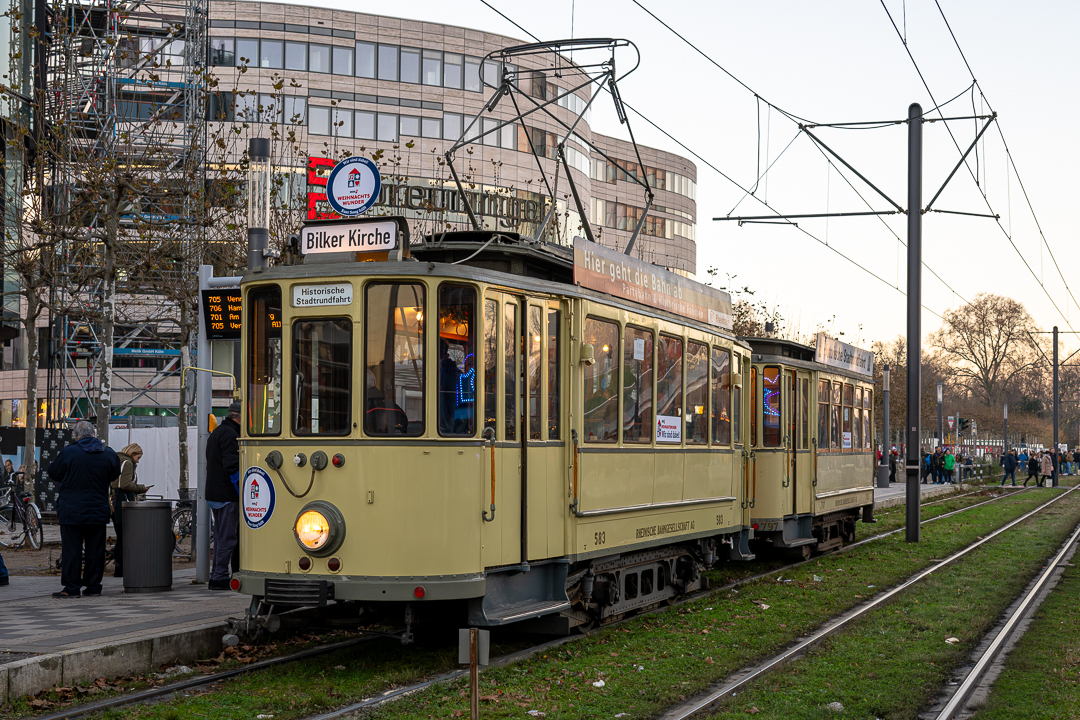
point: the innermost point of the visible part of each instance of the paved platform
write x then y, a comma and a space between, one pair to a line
896, 493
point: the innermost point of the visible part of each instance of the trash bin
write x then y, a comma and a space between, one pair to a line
148, 546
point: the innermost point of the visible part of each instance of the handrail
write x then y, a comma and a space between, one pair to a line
489, 433
753, 458
787, 461
814, 441
574, 505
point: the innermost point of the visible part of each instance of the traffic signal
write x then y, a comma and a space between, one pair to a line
964, 423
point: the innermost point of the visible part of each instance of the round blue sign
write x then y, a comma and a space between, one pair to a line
353, 186
257, 497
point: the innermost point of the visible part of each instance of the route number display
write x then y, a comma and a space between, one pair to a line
222, 314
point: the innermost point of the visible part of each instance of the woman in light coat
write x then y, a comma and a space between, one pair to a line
125, 489
1046, 468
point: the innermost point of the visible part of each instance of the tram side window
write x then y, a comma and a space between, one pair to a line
553, 374
856, 442
736, 409
265, 358
510, 346
847, 437
669, 390
770, 404
534, 373
834, 438
867, 403
753, 406
600, 401
823, 393
322, 376
457, 360
394, 359
637, 386
804, 405
721, 411
491, 356
697, 393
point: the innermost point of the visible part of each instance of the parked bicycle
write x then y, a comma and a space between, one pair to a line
17, 509
183, 527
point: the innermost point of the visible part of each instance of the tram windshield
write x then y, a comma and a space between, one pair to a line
322, 372
394, 359
264, 358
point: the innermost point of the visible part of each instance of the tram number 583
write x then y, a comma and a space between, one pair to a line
600, 538
719, 520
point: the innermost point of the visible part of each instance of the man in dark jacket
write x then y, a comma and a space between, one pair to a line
1008, 463
222, 478
84, 470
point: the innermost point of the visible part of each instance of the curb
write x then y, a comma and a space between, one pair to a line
130, 657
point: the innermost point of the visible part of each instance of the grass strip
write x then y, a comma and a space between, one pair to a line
892, 663
1041, 678
648, 664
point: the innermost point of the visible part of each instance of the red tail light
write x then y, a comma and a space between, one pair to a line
304, 563
235, 584
419, 592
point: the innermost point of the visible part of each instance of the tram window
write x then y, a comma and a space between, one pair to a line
834, 438
753, 406
637, 386
457, 360
770, 405
697, 393
265, 353
823, 393
847, 436
856, 441
736, 409
867, 403
534, 373
600, 403
510, 346
721, 409
553, 374
491, 356
322, 373
669, 389
804, 422
394, 359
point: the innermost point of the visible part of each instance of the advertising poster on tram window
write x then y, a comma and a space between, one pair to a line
668, 429
830, 351
614, 273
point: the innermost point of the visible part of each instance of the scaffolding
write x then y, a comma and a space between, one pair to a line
127, 88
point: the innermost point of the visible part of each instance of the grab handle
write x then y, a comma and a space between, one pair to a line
489, 433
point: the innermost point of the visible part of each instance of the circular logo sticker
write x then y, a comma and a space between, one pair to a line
353, 186
257, 497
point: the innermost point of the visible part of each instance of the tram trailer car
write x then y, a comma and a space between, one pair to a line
811, 434
471, 426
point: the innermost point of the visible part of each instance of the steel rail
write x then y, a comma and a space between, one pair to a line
696, 706
144, 695
993, 651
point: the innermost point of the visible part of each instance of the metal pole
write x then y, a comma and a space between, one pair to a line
914, 319
202, 410
1005, 445
1057, 453
883, 471
258, 233
474, 675
940, 425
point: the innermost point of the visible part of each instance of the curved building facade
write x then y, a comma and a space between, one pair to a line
324, 84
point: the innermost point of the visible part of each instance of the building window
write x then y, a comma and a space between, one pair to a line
294, 110
508, 136
343, 60
492, 72
388, 130
269, 109
472, 74
453, 70
319, 120
295, 56
342, 122
365, 60
247, 51
492, 135
432, 70
410, 126
318, 58
222, 52
431, 128
410, 65
272, 54
365, 125
451, 126
388, 62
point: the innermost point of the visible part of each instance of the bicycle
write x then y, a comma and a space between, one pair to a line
16, 508
183, 527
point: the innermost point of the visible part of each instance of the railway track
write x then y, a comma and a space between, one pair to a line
397, 693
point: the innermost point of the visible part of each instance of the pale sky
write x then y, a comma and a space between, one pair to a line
842, 61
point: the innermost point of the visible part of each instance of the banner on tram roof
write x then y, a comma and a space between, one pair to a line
841, 355
614, 273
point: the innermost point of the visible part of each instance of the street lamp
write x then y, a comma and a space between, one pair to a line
1006, 443
940, 425
883, 470
258, 215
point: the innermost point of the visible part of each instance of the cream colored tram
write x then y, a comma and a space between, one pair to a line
813, 459
418, 432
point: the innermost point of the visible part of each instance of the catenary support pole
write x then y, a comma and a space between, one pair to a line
883, 469
1005, 441
940, 424
914, 319
1057, 451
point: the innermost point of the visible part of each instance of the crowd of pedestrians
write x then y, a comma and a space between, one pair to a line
943, 466
1039, 465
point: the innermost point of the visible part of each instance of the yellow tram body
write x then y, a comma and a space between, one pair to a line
812, 440
483, 433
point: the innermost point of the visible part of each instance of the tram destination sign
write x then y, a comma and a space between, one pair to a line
614, 273
222, 314
834, 353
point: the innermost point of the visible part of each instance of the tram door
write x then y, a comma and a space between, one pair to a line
802, 458
790, 444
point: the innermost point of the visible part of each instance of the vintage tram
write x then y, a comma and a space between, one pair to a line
524, 431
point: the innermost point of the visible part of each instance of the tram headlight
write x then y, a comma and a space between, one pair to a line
319, 528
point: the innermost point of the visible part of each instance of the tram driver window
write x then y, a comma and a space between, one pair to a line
457, 360
637, 386
265, 357
394, 359
322, 372
770, 404
599, 396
